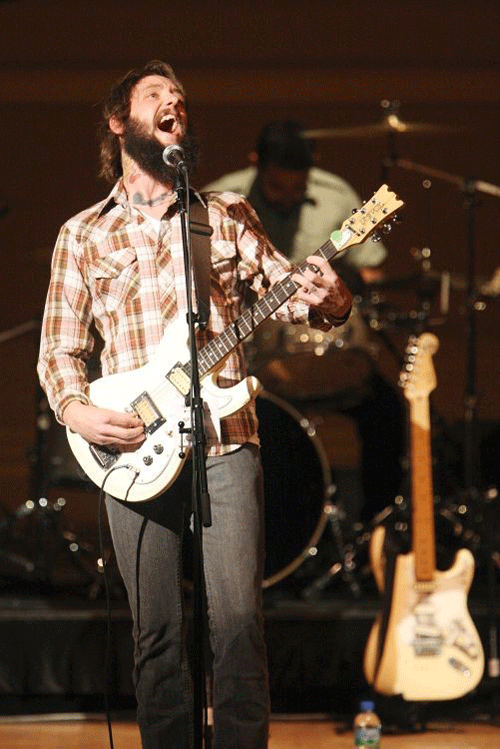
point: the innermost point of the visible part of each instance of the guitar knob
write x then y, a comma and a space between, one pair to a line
147, 460
158, 449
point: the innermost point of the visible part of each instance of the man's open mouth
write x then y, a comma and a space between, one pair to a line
167, 123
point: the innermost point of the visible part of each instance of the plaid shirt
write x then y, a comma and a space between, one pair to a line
110, 268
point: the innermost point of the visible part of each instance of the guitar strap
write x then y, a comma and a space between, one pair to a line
200, 232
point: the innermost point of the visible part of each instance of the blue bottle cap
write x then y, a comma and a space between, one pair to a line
367, 705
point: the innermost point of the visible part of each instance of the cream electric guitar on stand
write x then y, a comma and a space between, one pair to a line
159, 391
426, 646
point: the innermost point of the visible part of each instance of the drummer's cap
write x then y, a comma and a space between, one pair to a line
281, 143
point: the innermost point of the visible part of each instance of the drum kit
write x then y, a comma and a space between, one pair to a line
309, 374
310, 378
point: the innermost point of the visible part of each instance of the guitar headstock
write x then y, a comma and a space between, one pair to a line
418, 377
378, 212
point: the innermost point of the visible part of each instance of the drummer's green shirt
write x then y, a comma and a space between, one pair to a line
329, 201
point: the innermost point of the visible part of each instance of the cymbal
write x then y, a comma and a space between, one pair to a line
430, 281
389, 124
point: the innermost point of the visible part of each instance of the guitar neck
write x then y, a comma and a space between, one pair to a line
378, 210
422, 495
218, 348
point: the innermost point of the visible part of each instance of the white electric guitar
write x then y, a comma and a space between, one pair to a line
158, 392
430, 649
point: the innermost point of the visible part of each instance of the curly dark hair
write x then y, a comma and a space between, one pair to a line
117, 104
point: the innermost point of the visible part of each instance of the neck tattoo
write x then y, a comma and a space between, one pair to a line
139, 199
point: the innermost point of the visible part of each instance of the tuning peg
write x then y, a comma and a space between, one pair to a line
397, 219
375, 237
387, 228
403, 379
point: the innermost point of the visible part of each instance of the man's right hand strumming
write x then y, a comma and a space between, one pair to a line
102, 426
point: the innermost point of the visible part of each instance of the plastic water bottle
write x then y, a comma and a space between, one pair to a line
367, 727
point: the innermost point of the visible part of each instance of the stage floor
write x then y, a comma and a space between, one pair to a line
300, 733
54, 662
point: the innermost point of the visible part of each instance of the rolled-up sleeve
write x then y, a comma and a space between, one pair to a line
66, 342
262, 265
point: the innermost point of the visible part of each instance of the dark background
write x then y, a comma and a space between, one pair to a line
325, 63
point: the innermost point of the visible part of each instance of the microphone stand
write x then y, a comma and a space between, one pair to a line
200, 496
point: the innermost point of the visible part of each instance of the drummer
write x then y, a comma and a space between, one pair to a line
299, 206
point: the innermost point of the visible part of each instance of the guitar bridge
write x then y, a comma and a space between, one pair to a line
105, 456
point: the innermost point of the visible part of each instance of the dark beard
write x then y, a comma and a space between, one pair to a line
147, 152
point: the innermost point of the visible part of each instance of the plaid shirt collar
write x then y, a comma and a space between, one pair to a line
119, 196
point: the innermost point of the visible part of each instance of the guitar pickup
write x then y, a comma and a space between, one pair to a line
467, 647
147, 411
180, 380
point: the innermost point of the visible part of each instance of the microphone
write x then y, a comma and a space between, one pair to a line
174, 156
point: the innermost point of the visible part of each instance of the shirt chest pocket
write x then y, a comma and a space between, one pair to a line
114, 278
224, 269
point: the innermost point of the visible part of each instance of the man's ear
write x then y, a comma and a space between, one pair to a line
116, 126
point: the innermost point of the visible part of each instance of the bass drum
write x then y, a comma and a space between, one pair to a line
297, 486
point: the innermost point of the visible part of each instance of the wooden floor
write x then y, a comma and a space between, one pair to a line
285, 734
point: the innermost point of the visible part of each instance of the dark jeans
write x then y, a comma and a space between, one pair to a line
147, 537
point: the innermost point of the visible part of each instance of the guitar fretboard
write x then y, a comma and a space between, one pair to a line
423, 534
220, 346
364, 221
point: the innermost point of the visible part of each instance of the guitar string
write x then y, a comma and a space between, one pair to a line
229, 339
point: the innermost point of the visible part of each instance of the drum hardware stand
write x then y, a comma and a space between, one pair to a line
10, 556
345, 566
470, 189
46, 516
